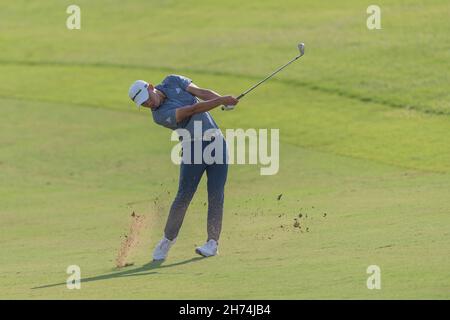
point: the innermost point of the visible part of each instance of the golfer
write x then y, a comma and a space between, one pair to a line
175, 105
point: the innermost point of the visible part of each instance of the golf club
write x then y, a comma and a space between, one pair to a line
301, 49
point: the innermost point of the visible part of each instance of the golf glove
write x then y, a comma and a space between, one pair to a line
227, 108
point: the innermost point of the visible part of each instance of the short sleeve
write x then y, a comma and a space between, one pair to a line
184, 82
179, 81
165, 117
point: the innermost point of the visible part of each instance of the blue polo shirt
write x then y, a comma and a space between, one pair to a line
174, 88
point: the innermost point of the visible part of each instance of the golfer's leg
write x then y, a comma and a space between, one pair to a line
190, 175
217, 177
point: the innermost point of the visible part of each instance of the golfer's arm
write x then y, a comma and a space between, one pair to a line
204, 106
203, 94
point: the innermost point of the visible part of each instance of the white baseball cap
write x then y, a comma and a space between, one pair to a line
138, 92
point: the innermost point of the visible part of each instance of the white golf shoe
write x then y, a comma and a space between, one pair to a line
209, 249
162, 249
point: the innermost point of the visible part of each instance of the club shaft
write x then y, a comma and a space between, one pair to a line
266, 78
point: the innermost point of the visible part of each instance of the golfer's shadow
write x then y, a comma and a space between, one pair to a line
143, 270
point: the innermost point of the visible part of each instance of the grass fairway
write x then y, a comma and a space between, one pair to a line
364, 149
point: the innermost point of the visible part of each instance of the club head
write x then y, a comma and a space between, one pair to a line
301, 48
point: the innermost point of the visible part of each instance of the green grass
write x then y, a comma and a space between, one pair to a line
364, 128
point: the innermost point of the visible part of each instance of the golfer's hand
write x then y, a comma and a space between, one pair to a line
229, 101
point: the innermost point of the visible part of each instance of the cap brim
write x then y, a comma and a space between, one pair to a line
141, 98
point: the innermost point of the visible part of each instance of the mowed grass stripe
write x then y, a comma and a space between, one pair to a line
307, 118
339, 91
334, 145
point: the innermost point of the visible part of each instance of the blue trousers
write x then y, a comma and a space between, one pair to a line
190, 176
